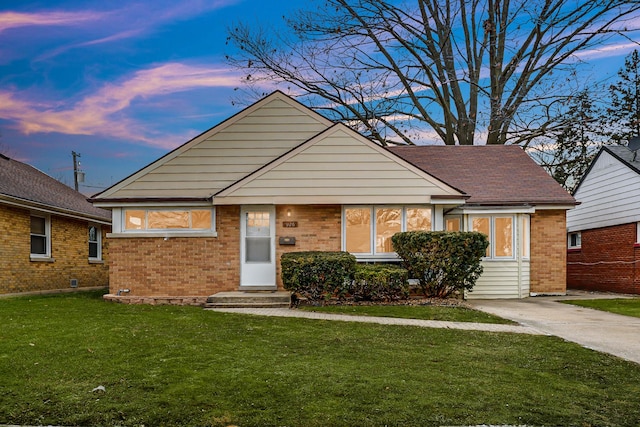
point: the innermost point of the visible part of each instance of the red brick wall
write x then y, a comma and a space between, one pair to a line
548, 252
179, 266
606, 261
319, 229
69, 250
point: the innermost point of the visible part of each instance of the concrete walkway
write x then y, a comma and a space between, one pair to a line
286, 312
598, 330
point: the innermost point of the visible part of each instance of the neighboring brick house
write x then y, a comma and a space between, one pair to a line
217, 213
603, 231
51, 238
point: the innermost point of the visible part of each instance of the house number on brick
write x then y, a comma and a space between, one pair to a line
289, 224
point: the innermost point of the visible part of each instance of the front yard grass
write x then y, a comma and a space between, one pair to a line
184, 366
423, 312
624, 306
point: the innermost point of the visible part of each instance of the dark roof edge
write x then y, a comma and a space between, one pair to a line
149, 200
29, 204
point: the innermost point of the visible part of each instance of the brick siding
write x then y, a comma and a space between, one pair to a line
548, 252
179, 266
69, 249
198, 267
319, 229
607, 260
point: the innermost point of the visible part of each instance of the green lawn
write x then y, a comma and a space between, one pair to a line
424, 312
184, 366
625, 306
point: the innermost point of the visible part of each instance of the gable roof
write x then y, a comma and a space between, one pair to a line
626, 156
223, 154
338, 166
25, 186
491, 174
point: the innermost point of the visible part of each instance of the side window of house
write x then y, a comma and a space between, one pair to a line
500, 231
95, 240
40, 237
575, 240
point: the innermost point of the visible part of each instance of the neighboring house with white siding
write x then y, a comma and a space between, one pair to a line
217, 213
603, 238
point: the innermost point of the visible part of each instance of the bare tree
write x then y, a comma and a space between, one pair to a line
469, 69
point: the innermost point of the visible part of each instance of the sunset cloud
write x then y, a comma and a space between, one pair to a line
105, 112
16, 19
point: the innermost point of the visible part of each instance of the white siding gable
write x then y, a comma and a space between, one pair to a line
609, 195
225, 153
338, 166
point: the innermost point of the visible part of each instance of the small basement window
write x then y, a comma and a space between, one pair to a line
574, 240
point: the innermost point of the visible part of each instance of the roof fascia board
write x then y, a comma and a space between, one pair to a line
51, 210
208, 133
151, 203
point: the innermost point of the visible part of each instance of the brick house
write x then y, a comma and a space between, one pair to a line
603, 241
217, 213
51, 237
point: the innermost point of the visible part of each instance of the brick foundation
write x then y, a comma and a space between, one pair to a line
548, 252
608, 261
69, 252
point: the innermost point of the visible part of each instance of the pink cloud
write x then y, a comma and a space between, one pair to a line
104, 112
16, 19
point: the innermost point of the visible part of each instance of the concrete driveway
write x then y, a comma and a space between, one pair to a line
598, 330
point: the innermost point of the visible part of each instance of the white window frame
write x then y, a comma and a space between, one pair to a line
98, 242
120, 231
47, 236
492, 229
638, 233
373, 231
578, 244
525, 236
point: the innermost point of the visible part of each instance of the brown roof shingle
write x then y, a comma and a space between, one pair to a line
25, 183
490, 174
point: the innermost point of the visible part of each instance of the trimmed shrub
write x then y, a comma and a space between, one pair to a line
379, 282
317, 275
443, 262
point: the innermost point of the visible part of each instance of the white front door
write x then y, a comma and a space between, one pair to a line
257, 248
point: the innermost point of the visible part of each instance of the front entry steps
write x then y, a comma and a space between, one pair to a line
257, 299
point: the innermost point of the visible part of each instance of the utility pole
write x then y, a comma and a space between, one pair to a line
76, 172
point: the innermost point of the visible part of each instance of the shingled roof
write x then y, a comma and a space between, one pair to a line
24, 185
490, 174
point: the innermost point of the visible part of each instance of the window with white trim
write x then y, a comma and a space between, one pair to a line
40, 236
574, 240
184, 219
637, 232
95, 243
367, 230
499, 231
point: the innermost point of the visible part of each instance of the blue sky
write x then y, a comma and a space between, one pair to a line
122, 83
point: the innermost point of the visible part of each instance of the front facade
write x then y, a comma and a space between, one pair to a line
51, 238
603, 237
217, 213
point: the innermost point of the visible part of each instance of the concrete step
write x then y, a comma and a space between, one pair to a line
258, 299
